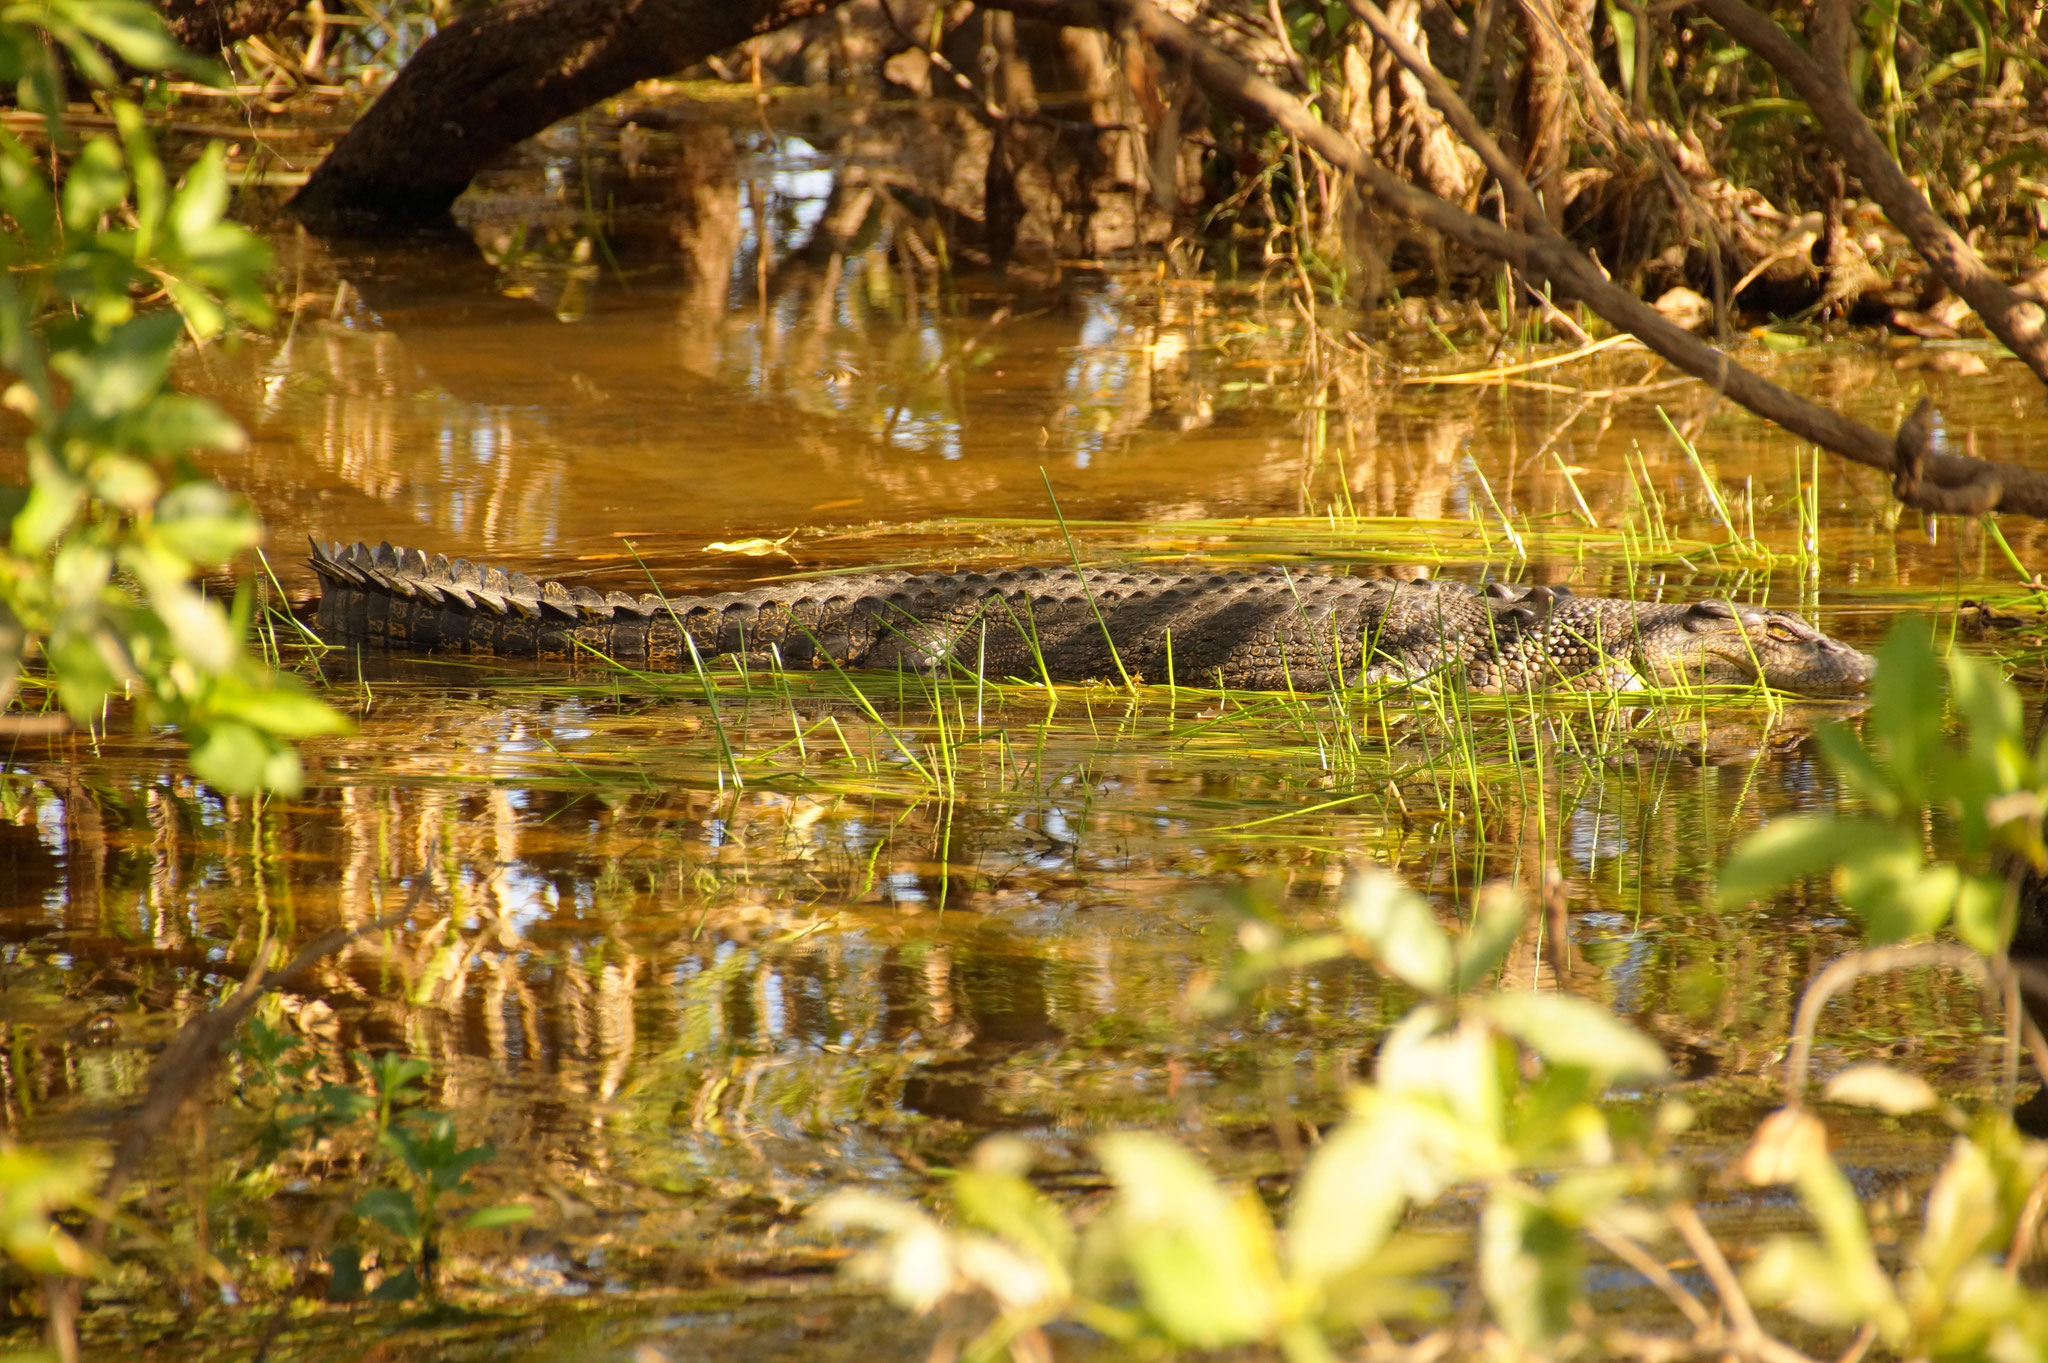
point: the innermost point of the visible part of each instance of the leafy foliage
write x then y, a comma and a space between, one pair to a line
413, 1158
1504, 1099
1987, 786
107, 266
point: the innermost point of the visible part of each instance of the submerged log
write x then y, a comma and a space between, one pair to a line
497, 76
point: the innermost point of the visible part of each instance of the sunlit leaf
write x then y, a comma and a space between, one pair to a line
1963, 1218
136, 33
1858, 769
1353, 1192
127, 370
1459, 1069
1397, 923
1790, 849
1497, 917
1905, 702
231, 756
1897, 895
204, 522
1530, 1266
1572, 1031
1883, 1088
1204, 1259
1980, 914
914, 1264
177, 424
492, 1218
992, 1193
1784, 1146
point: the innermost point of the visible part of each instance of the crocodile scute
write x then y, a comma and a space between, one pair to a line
1254, 630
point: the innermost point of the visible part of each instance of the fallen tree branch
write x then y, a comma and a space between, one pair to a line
2021, 324
2017, 489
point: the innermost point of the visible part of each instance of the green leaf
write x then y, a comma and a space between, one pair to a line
137, 35
1577, 1032
1204, 1261
1980, 914
1398, 925
26, 198
96, 184
993, 1193
1990, 706
1858, 768
202, 199
283, 708
401, 1286
1530, 1266
492, 1218
177, 424
1497, 917
1356, 1186
1898, 895
127, 370
54, 499
1457, 1071
1790, 849
345, 1280
231, 756
392, 1210
205, 523
1905, 704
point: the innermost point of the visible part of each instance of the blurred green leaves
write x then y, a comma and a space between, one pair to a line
1910, 774
108, 268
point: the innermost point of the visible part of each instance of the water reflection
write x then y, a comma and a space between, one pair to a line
698, 990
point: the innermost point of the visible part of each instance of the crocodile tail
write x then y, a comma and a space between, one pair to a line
403, 599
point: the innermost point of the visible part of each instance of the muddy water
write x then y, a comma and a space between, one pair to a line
689, 966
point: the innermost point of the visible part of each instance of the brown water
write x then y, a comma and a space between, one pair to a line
689, 969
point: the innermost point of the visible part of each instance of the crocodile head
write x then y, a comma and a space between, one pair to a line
1713, 643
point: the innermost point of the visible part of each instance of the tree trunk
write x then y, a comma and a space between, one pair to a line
498, 76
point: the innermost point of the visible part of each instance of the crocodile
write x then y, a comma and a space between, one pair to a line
1270, 629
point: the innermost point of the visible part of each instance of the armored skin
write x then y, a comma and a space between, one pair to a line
1265, 630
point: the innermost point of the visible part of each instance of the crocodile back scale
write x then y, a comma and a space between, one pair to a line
1260, 630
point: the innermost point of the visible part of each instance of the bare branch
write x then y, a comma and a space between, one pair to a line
2021, 324
2018, 489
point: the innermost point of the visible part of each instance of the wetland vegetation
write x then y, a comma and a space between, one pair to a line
365, 1006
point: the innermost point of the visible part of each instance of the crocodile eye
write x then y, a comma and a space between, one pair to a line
1783, 633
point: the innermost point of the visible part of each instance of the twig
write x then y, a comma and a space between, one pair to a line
1624, 1248
1750, 1338
1845, 970
2026, 1231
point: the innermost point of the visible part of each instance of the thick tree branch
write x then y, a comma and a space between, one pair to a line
2022, 325
2004, 487
210, 25
497, 76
